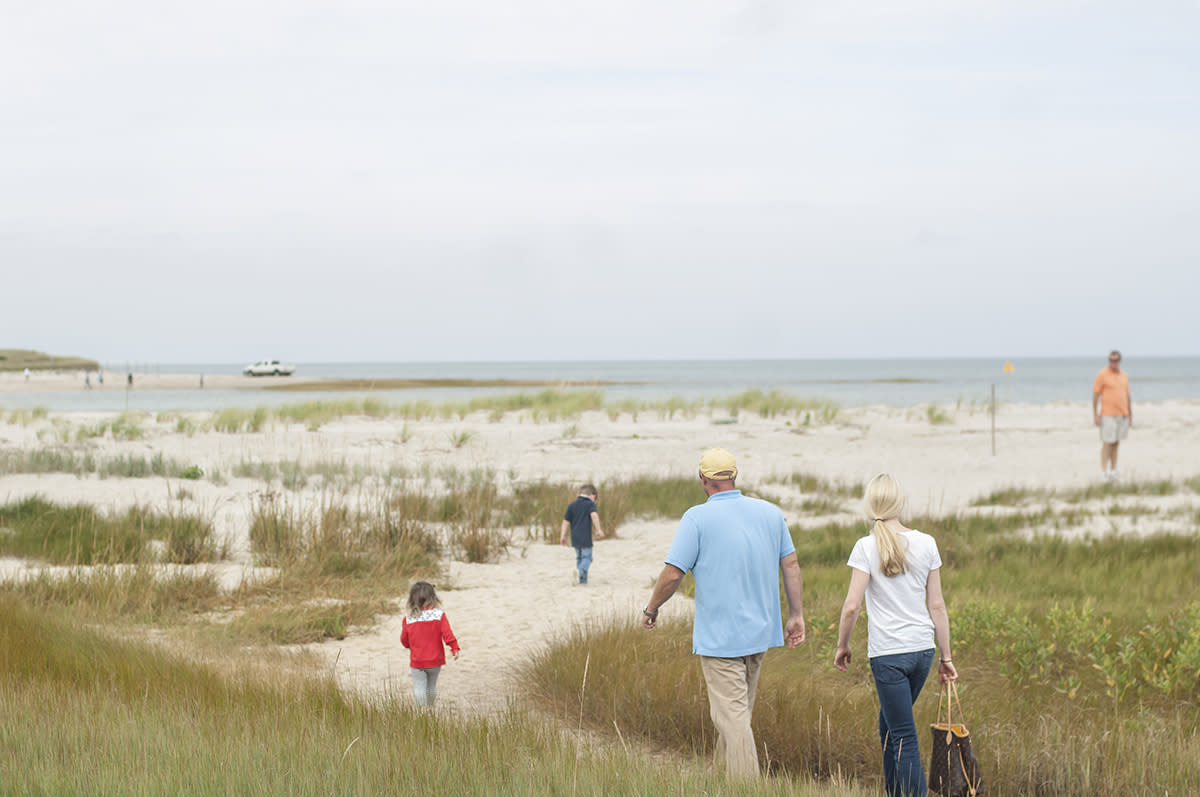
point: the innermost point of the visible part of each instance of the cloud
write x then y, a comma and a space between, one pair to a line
458, 180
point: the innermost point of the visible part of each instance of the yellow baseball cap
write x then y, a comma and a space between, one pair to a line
718, 464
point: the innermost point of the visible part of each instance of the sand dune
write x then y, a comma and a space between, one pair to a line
501, 612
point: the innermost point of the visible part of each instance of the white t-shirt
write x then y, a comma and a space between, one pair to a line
897, 618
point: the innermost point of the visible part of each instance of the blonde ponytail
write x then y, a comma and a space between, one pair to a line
883, 500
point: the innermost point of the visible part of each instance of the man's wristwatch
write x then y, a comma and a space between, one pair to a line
651, 614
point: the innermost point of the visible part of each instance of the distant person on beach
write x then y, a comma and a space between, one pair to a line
425, 629
898, 572
1112, 411
26, 374
87, 381
129, 379
100, 378
580, 520
735, 547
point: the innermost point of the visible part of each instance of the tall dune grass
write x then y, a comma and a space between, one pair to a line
79, 534
549, 405
59, 459
105, 717
1079, 662
113, 594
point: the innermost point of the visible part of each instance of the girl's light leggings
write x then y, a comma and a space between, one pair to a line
425, 684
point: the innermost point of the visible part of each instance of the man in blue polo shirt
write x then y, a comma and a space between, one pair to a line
736, 547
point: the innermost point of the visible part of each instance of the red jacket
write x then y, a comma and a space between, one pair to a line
423, 637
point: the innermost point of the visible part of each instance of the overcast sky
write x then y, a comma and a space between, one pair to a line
520, 180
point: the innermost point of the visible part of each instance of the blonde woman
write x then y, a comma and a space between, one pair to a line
897, 570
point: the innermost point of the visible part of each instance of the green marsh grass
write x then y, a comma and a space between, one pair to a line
233, 420
376, 547
937, 416
339, 565
58, 459
478, 545
1079, 662
23, 416
123, 427
811, 483
46, 459
151, 722
79, 534
624, 500
822, 505
1017, 496
548, 405
776, 402
109, 594
302, 624
460, 438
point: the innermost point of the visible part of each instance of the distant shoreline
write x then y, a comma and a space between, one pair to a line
62, 380
333, 385
20, 360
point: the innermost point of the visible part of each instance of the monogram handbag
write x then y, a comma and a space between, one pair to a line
953, 769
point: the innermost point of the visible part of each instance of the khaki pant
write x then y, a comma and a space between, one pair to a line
731, 687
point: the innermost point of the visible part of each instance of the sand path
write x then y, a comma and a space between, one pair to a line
503, 612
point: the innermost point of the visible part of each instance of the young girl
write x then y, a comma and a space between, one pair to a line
898, 571
425, 629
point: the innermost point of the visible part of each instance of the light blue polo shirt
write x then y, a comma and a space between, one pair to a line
733, 544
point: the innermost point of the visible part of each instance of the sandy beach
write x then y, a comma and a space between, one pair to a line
116, 381
502, 611
61, 381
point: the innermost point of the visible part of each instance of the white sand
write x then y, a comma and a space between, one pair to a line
502, 612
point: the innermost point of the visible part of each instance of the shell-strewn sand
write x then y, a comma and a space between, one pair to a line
502, 612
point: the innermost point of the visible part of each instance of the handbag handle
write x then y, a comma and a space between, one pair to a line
949, 695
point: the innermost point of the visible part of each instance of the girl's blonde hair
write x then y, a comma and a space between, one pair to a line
883, 500
422, 596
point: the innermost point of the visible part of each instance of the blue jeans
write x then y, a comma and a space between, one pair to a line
583, 560
898, 680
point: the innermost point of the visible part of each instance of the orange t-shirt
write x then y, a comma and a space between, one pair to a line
1114, 392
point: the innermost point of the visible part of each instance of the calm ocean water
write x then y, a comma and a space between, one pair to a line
850, 383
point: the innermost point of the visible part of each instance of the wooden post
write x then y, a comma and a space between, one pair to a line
993, 419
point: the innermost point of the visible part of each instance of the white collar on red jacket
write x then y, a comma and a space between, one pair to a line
427, 615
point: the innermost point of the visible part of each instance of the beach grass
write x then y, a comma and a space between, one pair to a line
63, 459
1070, 686
116, 594
1041, 639
24, 416
818, 485
146, 721
1016, 496
124, 426
80, 534
769, 404
544, 406
937, 416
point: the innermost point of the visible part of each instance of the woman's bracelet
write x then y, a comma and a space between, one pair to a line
947, 661
650, 614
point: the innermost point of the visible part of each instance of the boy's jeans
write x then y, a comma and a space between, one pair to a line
583, 560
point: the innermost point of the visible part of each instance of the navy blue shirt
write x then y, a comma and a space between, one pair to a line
579, 515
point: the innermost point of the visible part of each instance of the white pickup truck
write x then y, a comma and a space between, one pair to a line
269, 368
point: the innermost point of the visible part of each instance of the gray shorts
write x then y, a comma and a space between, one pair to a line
1113, 428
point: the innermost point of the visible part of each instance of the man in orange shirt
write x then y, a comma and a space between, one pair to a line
1112, 409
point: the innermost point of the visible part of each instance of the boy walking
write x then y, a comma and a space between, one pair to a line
581, 519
